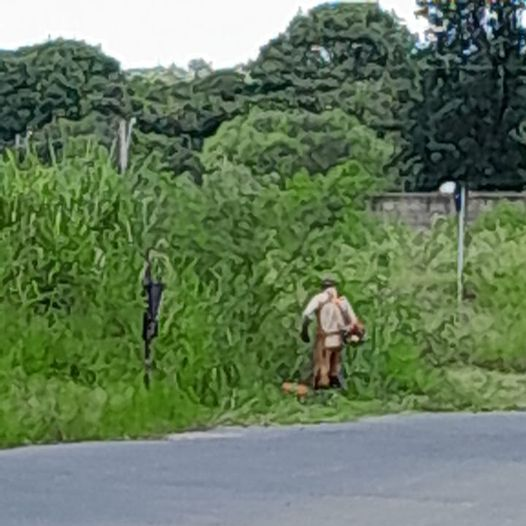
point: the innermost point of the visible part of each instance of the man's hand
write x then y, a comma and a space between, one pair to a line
305, 331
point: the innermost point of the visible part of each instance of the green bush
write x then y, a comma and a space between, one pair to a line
284, 142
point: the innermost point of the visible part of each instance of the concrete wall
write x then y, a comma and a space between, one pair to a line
420, 209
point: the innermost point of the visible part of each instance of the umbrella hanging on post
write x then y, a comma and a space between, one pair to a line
150, 329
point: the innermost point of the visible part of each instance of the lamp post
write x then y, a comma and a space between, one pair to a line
458, 191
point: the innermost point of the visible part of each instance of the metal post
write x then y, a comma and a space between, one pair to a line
123, 153
460, 252
147, 364
459, 192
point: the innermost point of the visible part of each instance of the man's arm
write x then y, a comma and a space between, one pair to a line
356, 329
311, 307
308, 316
346, 305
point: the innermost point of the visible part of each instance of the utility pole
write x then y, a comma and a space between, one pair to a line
125, 131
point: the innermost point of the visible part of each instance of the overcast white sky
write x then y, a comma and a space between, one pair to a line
147, 33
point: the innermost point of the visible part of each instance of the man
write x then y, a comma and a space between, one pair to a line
336, 321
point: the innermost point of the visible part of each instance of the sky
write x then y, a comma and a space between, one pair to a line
148, 33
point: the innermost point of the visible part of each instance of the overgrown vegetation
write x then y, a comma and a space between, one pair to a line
239, 255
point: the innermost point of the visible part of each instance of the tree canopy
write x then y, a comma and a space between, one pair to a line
58, 79
469, 122
285, 142
342, 82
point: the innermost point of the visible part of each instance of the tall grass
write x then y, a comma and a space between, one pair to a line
240, 257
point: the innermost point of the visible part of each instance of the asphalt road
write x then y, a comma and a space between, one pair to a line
426, 470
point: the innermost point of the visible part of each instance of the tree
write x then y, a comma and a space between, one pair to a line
469, 122
355, 57
181, 115
171, 73
70, 137
59, 79
272, 142
199, 68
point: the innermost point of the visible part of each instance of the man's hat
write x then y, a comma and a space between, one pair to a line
328, 282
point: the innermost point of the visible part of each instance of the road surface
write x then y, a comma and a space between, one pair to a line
425, 470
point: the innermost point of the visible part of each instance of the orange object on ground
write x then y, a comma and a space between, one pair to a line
300, 390
287, 387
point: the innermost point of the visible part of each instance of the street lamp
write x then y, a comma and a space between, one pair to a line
458, 191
